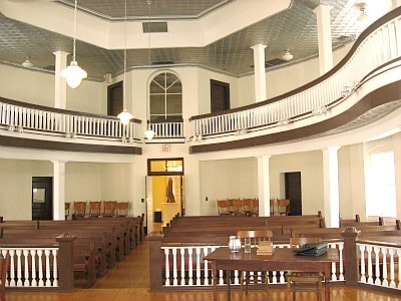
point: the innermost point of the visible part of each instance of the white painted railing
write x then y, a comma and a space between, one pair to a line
185, 267
32, 267
167, 130
377, 49
20, 118
380, 265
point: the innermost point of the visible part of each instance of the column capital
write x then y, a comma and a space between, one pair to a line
258, 46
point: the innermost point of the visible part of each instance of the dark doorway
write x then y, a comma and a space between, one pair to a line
115, 97
219, 96
293, 191
42, 198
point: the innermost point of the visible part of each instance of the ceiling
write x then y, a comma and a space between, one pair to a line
293, 28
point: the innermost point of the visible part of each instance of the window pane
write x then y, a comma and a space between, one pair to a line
381, 189
174, 104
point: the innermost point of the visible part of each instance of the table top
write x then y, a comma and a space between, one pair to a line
279, 255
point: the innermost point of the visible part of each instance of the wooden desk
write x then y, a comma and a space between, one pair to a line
283, 259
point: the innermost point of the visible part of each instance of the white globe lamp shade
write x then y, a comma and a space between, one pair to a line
73, 74
125, 117
149, 134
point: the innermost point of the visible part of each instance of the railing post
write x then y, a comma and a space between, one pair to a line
156, 259
351, 264
66, 262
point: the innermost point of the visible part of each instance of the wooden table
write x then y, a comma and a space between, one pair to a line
283, 259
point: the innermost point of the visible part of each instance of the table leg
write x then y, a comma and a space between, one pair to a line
214, 272
327, 282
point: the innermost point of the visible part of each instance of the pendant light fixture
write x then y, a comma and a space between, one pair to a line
149, 133
287, 55
125, 116
74, 74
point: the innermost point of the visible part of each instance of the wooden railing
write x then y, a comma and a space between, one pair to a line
41, 266
177, 267
379, 45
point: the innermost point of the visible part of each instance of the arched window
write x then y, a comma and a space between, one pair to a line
165, 98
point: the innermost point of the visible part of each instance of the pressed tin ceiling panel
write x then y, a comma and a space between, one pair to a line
294, 29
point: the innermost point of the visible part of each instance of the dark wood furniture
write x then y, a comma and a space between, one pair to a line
283, 259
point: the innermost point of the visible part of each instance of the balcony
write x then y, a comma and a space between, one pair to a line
361, 89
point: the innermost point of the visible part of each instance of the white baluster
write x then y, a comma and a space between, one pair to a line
370, 264
384, 252
47, 257
182, 253
175, 268
363, 272
377, 265
12, 268
221, 277
40, 264
341, 250
205, 267
19, 267
391, 252
25, 252
167, 275
34, 281
198, 266
190, 267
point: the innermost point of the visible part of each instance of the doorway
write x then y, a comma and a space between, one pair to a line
219, 96
164, 192
293, 191
42, 198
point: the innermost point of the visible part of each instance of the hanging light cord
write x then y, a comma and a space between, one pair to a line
75, 30
125, 53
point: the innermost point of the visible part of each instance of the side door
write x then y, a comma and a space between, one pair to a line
42, 198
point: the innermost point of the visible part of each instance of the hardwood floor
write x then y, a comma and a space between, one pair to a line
129, 280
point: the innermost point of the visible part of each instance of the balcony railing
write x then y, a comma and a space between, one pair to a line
379, 45
23, 117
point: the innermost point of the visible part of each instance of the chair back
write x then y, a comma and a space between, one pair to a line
66, 210
109, 208
122, 209
255, 235
283, 206
94, 209
79, 209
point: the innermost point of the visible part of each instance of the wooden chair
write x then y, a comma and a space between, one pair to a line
109, 208
94, 209
283, 206
273, 207
66, 210
223, 207
239, 206
122, 209
4, 266
253, 206
303, 281
249, 277
79, 210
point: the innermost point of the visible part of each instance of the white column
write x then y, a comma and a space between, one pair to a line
58, 190
264, 185
330, 183
60, 88
324, 38
260, 72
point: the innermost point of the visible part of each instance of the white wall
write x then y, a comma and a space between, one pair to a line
38, 87
222, 179
310, 164
16, 186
